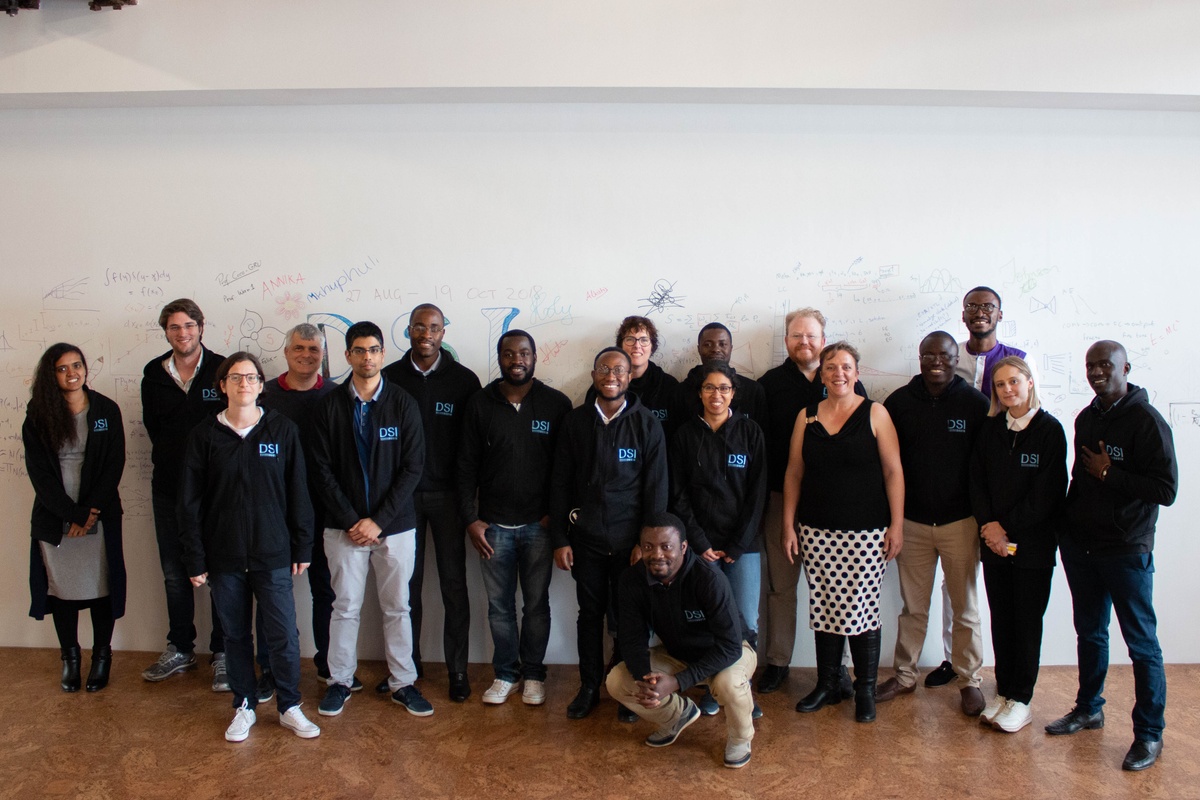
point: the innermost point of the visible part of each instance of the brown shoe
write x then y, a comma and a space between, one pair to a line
972, 701
890, 689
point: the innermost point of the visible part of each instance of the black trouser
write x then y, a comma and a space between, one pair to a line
439, 512
319, 583
1018, 599
65, 614
596, 572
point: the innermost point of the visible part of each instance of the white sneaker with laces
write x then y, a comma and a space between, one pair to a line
1016, 715
499, 691
243, 721
534, 693
294, 720
994, 707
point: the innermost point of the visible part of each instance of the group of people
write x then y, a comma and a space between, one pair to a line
668, 501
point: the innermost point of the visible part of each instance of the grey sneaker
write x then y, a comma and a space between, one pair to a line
737, 753
170, 662
664, 737
220, 675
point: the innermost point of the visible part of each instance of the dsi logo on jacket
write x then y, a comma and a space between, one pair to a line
1029, 459
209, 395
626, 455
268, 450
389, 434
956, 425
738, 460
444, 409
1115, 453
541, 426
100, 426
693, 616
660, 414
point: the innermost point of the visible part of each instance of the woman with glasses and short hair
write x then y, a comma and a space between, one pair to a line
75, 454
246, 529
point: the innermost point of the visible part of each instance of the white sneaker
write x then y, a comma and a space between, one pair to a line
994, 707
299, 724
1016, 715
243, 720
534, 693
499, 691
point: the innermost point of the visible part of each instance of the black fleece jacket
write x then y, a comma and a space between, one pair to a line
396, 453
169, 414
719, 483
748, 397
507, 454
243, 503
441, 398
937, 434
607, 478
694, 616
1019, 480
1117, 516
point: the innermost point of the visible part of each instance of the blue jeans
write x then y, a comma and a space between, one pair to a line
522, 553
181, 597
1100, 584
745, 578
235, 594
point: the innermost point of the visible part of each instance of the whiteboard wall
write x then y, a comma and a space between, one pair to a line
562, 219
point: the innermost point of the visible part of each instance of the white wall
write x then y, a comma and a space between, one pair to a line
570, 212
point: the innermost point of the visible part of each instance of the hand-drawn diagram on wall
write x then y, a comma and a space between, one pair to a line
939, 281
661, 297
1185, 416
256, 337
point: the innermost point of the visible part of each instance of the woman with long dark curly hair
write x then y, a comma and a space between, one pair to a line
75, 454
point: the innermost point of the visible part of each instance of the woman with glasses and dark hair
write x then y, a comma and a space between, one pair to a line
718, 488
75, 454
1018, 485
246, 527
843, 510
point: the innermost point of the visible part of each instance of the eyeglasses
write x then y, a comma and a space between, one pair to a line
630, 341
189, 327
237, 378
359, 352
605, 369
986, 308
722, 390
421, 330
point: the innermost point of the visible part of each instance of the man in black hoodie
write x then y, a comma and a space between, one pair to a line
937, 418
1124, 470
510, 430
441, 386
715, 343
610, 471
179, 392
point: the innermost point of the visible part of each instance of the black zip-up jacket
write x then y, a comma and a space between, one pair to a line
103, 464
301, 408
787, 392
169, 415
694, 616
507, 455
1019, 480
243, 503
937, 434
658, 390
1117, 516
394, 461
607, 478
719, 483
441, 398
748, 396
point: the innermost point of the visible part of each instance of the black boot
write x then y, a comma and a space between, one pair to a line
828, 692
864, 651
101, 665
70, 673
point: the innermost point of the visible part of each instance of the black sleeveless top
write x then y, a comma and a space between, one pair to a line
842, 488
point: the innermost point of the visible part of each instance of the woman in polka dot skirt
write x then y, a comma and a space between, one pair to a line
843, 510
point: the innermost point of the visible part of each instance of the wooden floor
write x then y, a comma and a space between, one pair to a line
142, 740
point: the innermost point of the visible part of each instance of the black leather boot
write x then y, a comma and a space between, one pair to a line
101, 665
70, 672
864, 651
828, 690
